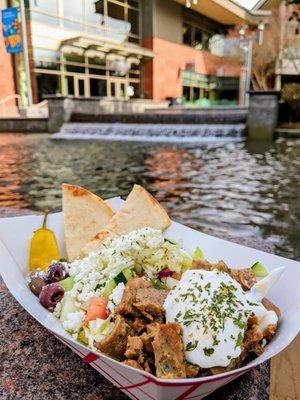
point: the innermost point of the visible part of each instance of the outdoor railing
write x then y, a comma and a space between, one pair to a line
10, 110
39, 110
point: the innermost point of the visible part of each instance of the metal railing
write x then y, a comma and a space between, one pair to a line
7, 110
39, 110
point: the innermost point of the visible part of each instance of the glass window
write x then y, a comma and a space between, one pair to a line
46, 64
115, 11
186, 93
45, 53
198, 39
70, 85
133, 3
75, 68
117, 28
195, 36
123, 90
98, 87
97, 61
44, 5
187, 34
94, 17
74, 10
133, 19
136, 89
46, 19
80, 87
74, 58
112, 89
47, 84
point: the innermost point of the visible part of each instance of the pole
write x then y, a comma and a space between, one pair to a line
249, 54
25, 52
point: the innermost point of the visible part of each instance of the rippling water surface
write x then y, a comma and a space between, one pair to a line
237, 188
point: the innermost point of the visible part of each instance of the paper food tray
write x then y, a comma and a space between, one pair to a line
15, 235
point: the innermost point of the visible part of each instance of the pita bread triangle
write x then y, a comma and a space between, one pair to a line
84, 215
140, 210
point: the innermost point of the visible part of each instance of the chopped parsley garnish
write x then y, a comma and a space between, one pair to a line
157, 284
98, 286
239, 340
208, 351
191, 345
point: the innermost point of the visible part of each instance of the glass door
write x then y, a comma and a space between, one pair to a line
80, 86
118, 89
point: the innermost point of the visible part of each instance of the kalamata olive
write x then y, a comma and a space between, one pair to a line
50, 295
36, 283
56, 272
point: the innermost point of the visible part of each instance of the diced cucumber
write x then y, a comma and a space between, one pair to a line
259, 270
186, 262
109, 288
128, 273
170, 241
122, 277
198, 254
67, 283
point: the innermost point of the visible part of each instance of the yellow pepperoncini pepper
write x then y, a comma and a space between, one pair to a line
43, 247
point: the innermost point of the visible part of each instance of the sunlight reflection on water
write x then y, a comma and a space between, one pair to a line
238, 188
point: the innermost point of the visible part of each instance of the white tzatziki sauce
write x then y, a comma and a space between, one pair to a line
213, 311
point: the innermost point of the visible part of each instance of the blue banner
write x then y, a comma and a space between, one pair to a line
11, 28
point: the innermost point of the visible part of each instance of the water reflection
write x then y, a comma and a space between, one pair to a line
13, 162
236, 188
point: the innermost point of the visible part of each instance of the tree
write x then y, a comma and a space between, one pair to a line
281, 36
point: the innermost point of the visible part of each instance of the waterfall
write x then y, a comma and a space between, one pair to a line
151, 132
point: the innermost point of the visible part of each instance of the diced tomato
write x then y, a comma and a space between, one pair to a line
96, 309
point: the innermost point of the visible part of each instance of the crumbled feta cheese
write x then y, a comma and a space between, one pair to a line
115, 297
57, 310
145, 250
74, 321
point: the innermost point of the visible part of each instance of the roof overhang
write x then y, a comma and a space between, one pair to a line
88, 44
227, 12
265, 5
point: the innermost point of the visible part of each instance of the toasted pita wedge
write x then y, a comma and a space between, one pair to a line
94, 244
84, 215
140, 210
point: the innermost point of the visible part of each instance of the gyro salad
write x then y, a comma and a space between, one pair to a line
140, 298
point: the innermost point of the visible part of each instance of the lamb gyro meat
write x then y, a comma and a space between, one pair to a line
115, 343
168, 351
142, 300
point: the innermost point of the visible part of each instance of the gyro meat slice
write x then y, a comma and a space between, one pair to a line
126, 306
149, 301
141, 299
133, 363
245, 277
115, 343
134, 348
168, 351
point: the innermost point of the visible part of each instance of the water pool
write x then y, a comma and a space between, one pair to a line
237, 188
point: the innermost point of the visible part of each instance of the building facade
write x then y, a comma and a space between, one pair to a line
154, 49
